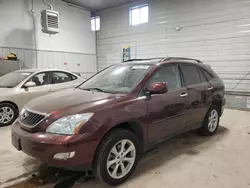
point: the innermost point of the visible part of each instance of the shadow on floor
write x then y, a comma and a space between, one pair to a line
189, 143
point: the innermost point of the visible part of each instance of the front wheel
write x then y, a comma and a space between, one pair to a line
117, 157
211, 122
8, 114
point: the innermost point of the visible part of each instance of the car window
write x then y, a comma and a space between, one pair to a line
202, 76
12, 79
73, 77
119, 78
191, 75
169, 74
41, 79
208, 76
60, 77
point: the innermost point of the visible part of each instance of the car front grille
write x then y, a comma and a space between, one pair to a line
30, 119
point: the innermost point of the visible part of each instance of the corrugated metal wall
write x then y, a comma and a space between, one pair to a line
75, 62
215, 31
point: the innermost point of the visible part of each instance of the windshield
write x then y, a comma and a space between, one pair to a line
120, 78
13, 79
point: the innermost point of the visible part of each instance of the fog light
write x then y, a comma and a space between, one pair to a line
64, 156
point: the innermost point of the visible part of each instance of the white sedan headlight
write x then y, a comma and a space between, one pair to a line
69, 125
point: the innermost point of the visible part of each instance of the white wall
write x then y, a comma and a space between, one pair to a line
21, 33
215, 31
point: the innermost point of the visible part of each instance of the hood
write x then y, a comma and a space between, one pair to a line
70, 101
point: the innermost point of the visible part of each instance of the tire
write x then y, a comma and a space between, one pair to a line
8, 114
209, 128
115, 139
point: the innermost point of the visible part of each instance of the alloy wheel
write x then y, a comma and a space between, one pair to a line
121, 159
6, 115
213, 120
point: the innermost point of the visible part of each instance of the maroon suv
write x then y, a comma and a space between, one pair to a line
105, 124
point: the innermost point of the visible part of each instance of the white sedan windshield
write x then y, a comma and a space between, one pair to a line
13, 79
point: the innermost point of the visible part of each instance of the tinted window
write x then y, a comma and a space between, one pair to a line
202, 76
208, 76
192, 75
41, 79
60, 77
169, 74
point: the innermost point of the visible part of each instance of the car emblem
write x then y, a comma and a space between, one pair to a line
24, 116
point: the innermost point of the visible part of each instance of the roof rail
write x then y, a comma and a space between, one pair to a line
182, 58
165, 59
147, 59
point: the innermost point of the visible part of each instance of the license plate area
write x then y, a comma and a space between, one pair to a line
16, 142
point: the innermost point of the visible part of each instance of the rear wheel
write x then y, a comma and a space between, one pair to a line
8, 114
117, 157
211, 122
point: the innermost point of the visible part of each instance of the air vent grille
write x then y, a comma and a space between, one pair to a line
50, 21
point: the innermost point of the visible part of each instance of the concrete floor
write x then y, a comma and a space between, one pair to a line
186, 161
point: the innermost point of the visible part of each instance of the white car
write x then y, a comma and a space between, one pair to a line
19, 87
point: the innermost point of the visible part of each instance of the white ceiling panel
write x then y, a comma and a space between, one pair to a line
98, 4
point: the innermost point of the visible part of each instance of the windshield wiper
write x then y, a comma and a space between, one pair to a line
95, 88
99, 90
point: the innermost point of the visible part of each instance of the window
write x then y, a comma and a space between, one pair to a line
60, 77
139, 15
202, 76
120, 78
208, 76
95, 23
192, 75
41, 79
73, 77
169, 74
12, 79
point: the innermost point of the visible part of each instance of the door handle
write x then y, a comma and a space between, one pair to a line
210, 88
184, 95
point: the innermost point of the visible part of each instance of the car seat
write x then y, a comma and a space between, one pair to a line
36, 80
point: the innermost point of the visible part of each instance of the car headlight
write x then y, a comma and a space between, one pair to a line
69, 125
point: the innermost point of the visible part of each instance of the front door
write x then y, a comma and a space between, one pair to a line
167, 112
42, 87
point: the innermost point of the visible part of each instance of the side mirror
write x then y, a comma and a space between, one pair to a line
30, 84
158, 88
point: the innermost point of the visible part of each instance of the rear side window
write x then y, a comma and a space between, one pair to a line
73, 77
60, 77
208, 76
202, 76
191, 75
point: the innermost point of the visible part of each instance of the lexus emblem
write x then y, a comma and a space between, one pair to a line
24, 116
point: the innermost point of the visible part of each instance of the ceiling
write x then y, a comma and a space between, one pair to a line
96, 5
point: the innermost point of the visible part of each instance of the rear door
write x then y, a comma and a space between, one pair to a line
167, 112
42, 87
199, 94
63, 80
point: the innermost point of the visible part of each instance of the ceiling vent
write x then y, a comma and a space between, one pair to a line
50, 21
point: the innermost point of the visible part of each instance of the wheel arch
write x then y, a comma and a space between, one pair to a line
10, 102
132, 126
218, 103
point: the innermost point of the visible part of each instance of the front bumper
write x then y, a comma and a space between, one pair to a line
44, 146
